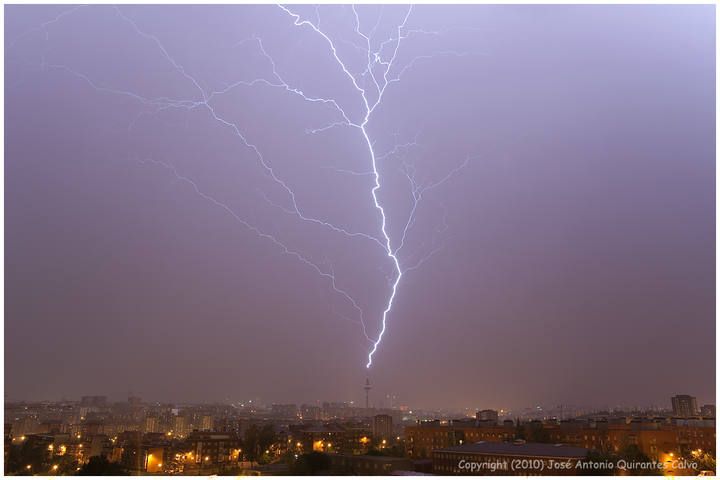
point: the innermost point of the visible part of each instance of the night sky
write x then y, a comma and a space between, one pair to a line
569, 260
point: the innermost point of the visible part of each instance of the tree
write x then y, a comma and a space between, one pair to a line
100, 466
266, 438
257, 441
67, 465
396, 450
705, 461
250, 443
30, 453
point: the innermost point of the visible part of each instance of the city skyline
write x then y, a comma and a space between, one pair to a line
224, 209
97, 435
385, 402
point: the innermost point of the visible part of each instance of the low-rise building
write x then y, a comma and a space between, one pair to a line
211, 452
656, 438
508, 458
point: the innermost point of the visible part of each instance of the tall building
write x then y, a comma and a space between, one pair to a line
289, 410
310, 412
487, 416
151, 425
206, 423
367, 388
382, 427
684, 406
707, 411
179, 426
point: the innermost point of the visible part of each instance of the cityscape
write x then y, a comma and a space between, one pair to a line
95, 436
349, 240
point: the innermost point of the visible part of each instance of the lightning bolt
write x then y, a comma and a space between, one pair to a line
371, 84
375, 58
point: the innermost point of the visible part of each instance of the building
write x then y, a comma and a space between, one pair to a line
707, 411
211, 452
657, 437
489, 416
367, 388
100, 446
151, 425
132, 455
206, 423
422, 439
284, 411
506, 458
684, 406
309, 412
154, 457
331, 438
180, 426
382, 427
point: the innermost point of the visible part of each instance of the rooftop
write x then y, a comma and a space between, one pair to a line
522, 449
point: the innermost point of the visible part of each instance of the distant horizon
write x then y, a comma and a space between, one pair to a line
355, 404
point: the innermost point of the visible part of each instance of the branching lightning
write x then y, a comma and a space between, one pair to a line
374, 58
371, 85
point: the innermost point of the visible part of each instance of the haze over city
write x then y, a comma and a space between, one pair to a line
564, 253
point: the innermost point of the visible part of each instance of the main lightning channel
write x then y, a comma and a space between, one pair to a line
390, 252
369, 109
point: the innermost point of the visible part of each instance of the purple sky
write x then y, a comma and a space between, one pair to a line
571, 260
